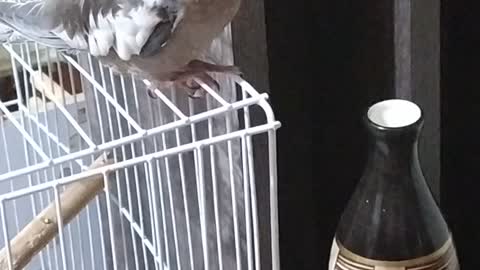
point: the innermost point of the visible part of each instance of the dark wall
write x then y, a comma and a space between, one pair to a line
291, 77
461, 125
328, 61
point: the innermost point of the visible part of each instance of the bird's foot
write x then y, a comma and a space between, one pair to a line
201, 66
195, 78
196, 85
151, 93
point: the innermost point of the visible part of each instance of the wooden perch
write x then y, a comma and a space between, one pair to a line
44, 228
50, 88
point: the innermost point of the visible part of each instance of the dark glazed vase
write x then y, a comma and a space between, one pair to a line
392, 221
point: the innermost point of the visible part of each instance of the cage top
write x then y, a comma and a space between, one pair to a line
73, 109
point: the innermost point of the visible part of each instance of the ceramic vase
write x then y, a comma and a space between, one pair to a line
392, 221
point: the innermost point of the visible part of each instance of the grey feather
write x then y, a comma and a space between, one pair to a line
36, 20
160, 35
13, 16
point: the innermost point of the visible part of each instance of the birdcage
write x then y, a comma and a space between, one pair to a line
96, 174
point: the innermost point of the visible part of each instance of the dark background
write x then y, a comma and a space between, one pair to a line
461, 128
328, 61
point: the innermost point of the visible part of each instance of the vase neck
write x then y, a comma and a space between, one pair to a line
386, 155
394, 148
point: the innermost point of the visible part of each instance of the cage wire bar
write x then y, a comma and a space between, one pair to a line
180, 191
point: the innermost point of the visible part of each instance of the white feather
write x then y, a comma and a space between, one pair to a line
180, 15
101, 35
93, 46
132, 30
124, 32
78, 41
152, 3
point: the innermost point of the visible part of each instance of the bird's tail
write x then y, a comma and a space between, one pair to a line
22, 21
6, 31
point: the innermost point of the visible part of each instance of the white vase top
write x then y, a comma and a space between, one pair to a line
394, 113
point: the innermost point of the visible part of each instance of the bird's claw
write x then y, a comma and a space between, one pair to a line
196, 94
151, 94
197, 81
196, 89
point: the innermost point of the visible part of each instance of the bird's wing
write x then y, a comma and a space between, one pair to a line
94, 25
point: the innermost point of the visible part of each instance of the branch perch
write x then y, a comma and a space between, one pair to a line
44, 227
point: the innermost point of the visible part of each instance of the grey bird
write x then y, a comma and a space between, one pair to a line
156, 40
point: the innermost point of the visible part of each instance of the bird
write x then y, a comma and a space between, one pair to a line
159, 41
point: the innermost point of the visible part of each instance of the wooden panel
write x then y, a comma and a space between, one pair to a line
250, 54
418, 53
250, 43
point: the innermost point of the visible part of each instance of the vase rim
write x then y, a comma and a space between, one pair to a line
394, 113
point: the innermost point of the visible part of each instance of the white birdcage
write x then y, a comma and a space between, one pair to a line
176, 181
